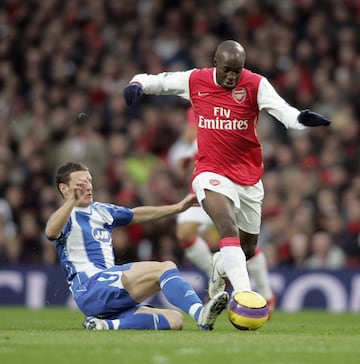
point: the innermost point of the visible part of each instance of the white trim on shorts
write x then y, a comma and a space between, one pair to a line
247, 199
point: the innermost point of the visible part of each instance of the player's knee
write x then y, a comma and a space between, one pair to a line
185, 233
167, 265
175, 319
187, 241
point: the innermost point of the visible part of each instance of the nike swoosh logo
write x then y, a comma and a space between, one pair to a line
201, 94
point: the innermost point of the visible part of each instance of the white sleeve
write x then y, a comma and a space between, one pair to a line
166, 83
275, 105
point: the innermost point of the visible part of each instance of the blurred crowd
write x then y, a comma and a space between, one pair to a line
60, 58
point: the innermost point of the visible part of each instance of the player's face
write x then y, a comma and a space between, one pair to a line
81, 183
228, 72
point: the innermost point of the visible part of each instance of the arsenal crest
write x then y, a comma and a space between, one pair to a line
214, 182
239, 94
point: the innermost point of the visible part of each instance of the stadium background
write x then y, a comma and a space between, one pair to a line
59, 58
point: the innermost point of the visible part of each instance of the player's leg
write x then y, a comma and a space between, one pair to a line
249, 220
219, 198
121, 288
195, 247
258, 271
144, 279
138, 318
174, 318
136, 283
189, 225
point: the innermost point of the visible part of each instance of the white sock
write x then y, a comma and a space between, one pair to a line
116, 324
200, 255
234, 262
258, 270
195, 311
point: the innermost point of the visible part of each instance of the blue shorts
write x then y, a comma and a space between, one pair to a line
103, 294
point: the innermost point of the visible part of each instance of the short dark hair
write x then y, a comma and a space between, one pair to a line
63, 172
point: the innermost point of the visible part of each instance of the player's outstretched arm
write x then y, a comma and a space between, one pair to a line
165, 83
151, 213
311, 118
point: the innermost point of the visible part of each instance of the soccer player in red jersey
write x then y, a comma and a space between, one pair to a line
227, 100
193, 226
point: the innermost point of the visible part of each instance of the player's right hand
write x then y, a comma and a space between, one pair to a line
80, 188
132, 92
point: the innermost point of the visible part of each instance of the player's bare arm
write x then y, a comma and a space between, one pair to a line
72, 195
151, 213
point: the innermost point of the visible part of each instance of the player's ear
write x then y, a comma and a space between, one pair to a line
62, 188
214, 61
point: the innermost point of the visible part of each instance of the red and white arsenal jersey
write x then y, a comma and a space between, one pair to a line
227, 142
227, 119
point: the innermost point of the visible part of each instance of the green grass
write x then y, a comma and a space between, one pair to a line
55, 336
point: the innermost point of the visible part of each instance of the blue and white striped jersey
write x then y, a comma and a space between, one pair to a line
85, 244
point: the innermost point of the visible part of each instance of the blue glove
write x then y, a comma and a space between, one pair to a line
132, 92
311, 118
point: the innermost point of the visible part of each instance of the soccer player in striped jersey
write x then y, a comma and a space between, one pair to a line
112, 296
227, 100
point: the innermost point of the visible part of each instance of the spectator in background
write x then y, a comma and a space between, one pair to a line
298, 250
350, 242
324, 253
84, 143
10, 249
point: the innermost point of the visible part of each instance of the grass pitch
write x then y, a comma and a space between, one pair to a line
55, 336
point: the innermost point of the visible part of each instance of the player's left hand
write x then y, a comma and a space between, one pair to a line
311, 118
132, 92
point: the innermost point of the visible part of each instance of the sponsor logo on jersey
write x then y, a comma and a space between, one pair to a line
239, 94
101, 235
222, 124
